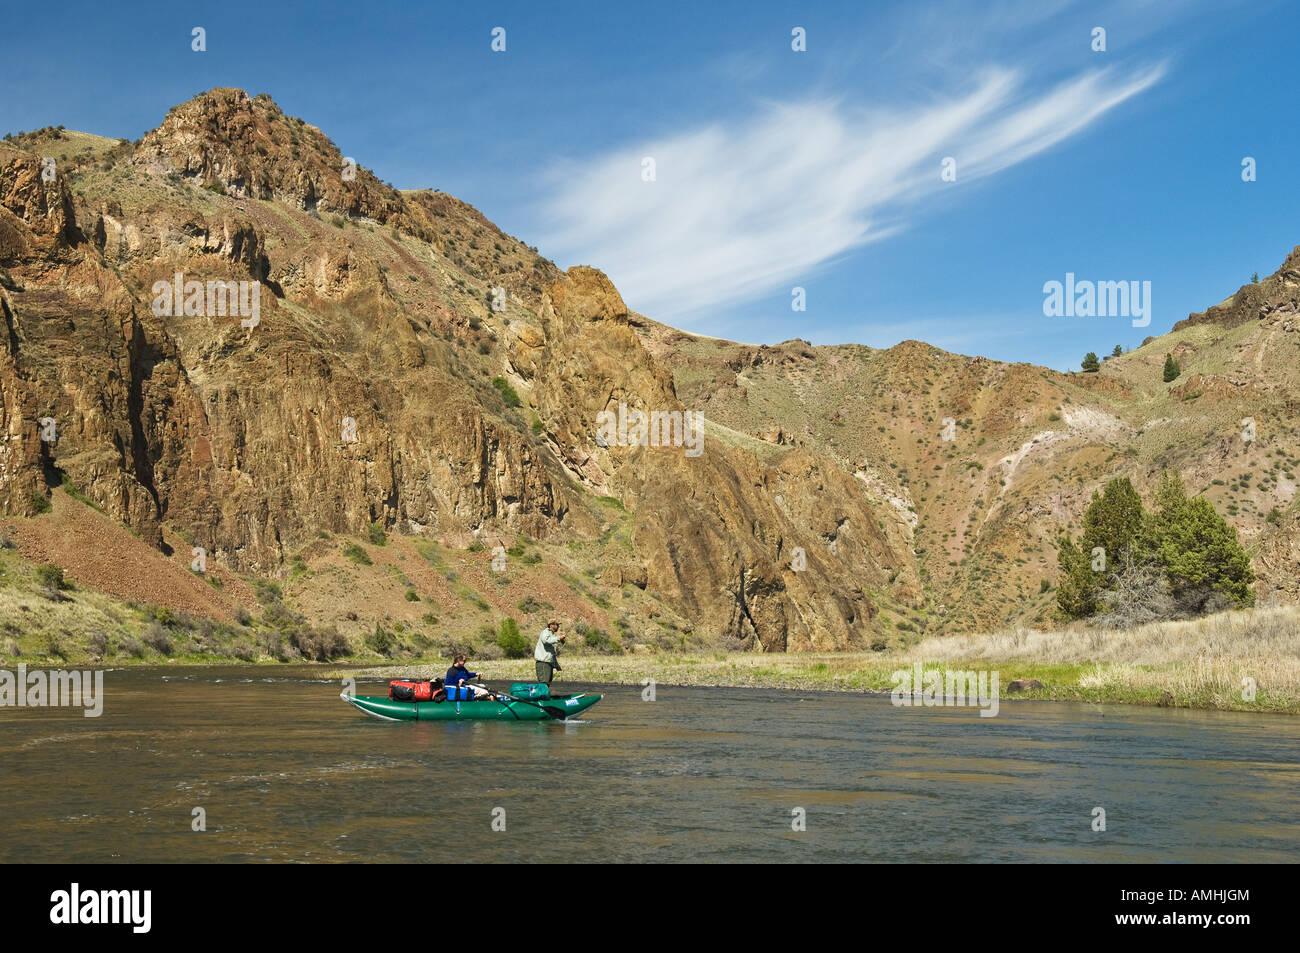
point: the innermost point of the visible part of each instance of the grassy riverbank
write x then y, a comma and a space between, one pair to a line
1194, 664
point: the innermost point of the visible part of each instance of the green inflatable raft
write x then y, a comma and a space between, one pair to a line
541, 707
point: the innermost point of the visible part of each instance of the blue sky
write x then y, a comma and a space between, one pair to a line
773, 168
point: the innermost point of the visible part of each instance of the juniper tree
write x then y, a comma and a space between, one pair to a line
1113, 527
1078, 589
1205, 565
1172, 370
1114, 521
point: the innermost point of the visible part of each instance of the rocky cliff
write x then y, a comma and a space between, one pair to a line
376, 385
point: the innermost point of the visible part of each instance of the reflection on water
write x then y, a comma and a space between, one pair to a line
285, 771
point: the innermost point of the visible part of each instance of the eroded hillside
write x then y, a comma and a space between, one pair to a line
983, 464
409, 370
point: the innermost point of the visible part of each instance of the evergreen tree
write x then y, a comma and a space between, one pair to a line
1090, 362
1172, 370
1117, 352
1079, 586
1114, 521
1206, 566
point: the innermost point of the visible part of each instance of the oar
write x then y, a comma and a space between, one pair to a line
557, 713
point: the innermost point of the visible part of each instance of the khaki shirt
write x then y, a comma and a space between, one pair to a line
547, 646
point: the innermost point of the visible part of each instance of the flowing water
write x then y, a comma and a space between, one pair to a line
286, 771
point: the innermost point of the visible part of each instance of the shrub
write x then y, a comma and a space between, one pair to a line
511, 641
598, 640
156, 637
273, 645
40, 502
50, 577
507, 392
412, 596
320, 645
267, 592
530, 604
380, 641
377, 535
132, 647
358, 555
280, 616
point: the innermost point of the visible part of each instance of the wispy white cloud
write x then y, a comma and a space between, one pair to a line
741, 208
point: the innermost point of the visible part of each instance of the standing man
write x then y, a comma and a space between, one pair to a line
546, 655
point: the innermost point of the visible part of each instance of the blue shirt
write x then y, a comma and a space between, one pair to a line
458, 674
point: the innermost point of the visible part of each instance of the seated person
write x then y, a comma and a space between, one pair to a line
457, 682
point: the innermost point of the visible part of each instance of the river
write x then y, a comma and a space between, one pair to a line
285, 771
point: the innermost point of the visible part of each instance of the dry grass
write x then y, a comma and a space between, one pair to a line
1205, 659
1249, 634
